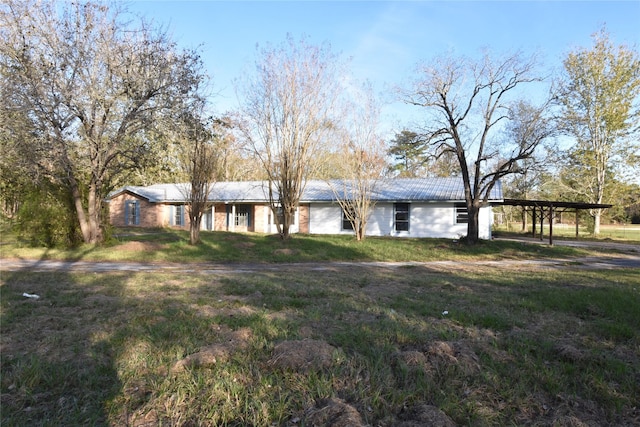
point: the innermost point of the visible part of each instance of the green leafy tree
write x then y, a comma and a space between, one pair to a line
94, 88
413, 158
599, 95
408, 150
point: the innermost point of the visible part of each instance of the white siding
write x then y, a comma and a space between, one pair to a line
381, 220
434, 220
486, 221
325, 218
426, 220
272, 227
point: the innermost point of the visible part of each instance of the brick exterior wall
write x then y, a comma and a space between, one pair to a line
220, 217
303, 215
151, 214
159, 215
259, 218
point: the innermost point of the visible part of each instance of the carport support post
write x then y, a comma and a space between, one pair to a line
533, 222
576, 223
551, 225
541, 222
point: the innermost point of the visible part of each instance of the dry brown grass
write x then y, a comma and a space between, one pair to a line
348, 345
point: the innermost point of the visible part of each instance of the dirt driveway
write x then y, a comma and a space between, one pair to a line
613, 262
622, 256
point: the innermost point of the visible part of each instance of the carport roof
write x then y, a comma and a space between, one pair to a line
552, 204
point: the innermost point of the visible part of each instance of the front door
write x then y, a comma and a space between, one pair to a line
242, 218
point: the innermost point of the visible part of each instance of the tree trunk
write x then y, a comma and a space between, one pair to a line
596, 221
363, 228
524, 219
194, 230
80, 213
284, 233
89, 221
473, 228
359, 231
286, 221
95, 214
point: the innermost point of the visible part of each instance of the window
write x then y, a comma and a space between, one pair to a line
132, 212
243, 217
346, 223
462, 215
280, 216
401, 216
177, 217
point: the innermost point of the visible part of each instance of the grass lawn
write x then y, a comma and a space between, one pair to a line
622, 233
342, 345
172, 246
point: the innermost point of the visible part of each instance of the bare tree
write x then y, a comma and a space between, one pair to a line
467, 102
287, 111
94, 87
199, 158
528, 126
234, 161
362, 151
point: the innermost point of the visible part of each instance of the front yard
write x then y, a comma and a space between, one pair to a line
338, 346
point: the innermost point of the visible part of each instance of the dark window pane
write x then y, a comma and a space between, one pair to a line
462, 215
401, 216
402, 226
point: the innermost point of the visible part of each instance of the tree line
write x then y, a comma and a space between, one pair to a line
95, 98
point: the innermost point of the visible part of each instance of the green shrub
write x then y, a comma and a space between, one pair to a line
46, 218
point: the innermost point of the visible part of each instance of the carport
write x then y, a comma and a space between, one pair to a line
541, 209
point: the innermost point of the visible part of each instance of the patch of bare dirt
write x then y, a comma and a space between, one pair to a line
303, 356
209, 311
216, 353
141, 246
285, 251
568, 352
574, 411
425, 415
413, 359
244, 245
440, 354
334, 413
458, 353
150, 419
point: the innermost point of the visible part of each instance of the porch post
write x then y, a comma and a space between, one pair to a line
233, 217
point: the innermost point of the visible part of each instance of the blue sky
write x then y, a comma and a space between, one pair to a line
385, 40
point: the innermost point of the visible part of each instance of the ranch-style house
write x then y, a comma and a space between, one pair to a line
404, 207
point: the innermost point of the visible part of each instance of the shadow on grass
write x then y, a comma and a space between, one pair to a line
57, 368
98, 349
227, 247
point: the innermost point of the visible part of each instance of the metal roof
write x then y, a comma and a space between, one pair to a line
398, 189
554, 204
